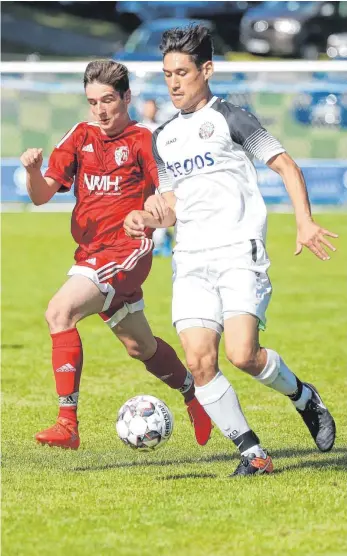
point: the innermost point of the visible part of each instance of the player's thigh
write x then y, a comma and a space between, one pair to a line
193, 296
200, 346
241, 338
118, 273
76, 299
245, 290
123, 313
136, 335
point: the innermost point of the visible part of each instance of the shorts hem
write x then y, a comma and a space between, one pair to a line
124, 311
184, 324
261, 321
104, 287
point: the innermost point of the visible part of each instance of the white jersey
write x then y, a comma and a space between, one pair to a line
205, 158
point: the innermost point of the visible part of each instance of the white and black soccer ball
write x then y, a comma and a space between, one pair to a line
144, 423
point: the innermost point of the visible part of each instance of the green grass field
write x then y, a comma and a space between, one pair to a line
107, 500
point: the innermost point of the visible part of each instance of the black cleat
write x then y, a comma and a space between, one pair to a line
318, 421
253, 465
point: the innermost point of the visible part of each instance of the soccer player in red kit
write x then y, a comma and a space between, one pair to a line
111, 164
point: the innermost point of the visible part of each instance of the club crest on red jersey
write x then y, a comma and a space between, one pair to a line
121, 155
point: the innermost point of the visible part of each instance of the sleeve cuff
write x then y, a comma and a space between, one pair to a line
65, 183
272, 154
165, 188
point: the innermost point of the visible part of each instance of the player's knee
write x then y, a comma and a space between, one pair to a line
242, 358
141, 350
58, 317
202, 366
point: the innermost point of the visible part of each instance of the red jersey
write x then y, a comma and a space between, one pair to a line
112, 176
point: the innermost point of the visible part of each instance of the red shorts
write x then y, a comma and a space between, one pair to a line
119, 274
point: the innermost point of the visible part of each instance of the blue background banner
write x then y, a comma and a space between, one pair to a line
326, 182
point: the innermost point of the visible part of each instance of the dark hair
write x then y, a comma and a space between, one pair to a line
108, 72
194, 40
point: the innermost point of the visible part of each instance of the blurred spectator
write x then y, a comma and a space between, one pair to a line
162, 238
149, 114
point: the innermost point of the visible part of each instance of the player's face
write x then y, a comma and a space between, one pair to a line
187, 84
107, 106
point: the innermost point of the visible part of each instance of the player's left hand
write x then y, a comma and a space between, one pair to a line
157, 207
134, 225
311, 235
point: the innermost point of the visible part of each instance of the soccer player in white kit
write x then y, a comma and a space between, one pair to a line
208, 186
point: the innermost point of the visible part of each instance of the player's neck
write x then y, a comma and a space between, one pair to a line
199, 104
117, 130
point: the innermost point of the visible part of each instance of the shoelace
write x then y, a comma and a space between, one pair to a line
244, 462
316, 415
320, 414
316, 408
58, 426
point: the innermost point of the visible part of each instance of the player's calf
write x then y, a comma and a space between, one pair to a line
166, 366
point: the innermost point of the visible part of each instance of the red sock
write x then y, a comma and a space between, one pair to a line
166, 366
67, 361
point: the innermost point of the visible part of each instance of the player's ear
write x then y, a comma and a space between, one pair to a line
207, 68
127, 96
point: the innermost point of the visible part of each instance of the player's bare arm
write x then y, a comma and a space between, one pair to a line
40, 189
309, 233
137, 220
160, 206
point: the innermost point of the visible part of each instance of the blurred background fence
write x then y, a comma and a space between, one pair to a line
302, 103
305, 110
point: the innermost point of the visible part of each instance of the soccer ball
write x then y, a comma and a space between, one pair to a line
144, 423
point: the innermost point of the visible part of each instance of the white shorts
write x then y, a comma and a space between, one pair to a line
216, 284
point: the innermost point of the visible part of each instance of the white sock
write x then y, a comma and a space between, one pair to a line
278, 376
221, 403
256, 450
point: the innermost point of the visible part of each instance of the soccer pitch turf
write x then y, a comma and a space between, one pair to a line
105, 499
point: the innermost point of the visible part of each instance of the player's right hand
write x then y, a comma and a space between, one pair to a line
157, 207
32, 159
134, 225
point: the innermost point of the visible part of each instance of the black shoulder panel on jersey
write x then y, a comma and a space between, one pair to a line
165, 183
155, 137
162, 126
242, 124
